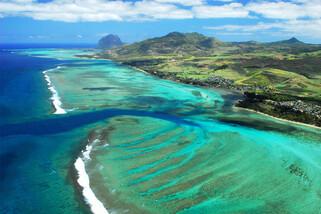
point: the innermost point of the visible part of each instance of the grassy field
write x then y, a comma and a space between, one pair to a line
287, 67
276, 78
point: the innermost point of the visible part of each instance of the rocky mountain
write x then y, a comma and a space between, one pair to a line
286, 73
109, 41
293, 40
195, 44
172, 43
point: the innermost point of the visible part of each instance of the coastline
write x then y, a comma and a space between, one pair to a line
234, 105
82, 180
278, 118
55, 177
55, 99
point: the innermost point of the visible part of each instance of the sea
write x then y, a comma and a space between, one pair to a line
82, 135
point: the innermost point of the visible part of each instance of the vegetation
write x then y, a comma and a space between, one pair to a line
289, 68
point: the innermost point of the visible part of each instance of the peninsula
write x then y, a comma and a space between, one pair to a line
282, 79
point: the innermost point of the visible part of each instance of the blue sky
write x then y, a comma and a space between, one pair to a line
85, 21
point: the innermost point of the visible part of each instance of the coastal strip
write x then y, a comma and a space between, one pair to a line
56, 102
278, 118
96, 206
216, 83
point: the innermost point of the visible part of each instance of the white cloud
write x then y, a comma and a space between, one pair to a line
108, 10
121, 10
296, 18
94, 10
157, 10
183, 2
310, 28
287, 10
223, 0
245, 28
232, 10
234, 33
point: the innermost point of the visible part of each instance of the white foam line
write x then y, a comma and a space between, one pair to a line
86, 153
96, 206
55, 97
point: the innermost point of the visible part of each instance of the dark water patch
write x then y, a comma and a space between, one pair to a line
11, 156
195, 110
66, 123
299, 172
127, 120
92, 74
170, 106
98, 88
183, 143
196, 93
230, 99
257, 124
151, 100
7, 161
85, 63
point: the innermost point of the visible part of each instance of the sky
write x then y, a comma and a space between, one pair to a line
86, 21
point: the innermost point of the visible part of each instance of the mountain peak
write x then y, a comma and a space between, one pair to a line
179, 34
172, 43
175, 34
292, 40
109, 41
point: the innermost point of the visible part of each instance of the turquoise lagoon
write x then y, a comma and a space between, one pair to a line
128, 142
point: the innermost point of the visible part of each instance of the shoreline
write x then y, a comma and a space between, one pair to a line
81, 177
234, 106
278, 118
55, 99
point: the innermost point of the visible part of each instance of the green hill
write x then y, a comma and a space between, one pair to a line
292, 41
288, 67
278, 78
172, 44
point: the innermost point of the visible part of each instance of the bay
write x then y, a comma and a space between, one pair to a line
148, 145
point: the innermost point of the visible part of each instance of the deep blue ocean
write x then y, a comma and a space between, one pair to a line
29, 179
23, 90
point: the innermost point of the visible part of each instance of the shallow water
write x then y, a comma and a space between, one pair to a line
163, 147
